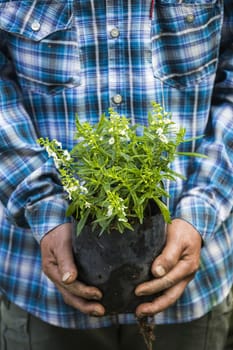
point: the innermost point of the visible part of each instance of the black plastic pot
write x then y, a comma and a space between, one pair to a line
116, 263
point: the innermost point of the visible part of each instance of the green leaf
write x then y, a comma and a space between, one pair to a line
82, 221
71, 209
192, 154
163, 208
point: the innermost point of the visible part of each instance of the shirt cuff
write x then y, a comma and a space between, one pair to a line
47, 214
199, 214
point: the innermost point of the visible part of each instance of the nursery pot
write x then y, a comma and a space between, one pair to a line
117, 262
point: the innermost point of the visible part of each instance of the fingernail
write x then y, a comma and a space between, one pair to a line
96, 297
66, 277
140, 294
160, 271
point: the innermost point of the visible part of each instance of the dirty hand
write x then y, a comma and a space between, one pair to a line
58, 264
172, 269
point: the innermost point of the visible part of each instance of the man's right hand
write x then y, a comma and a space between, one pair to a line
58, 264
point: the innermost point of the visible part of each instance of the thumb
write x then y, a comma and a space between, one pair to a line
67, 268
69, 277
170, 255
62, 241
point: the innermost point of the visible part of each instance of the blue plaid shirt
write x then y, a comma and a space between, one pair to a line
63, 57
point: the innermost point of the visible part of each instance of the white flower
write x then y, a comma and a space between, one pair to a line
58, 163
159, 131
87, 205
111, 141
123, 219
67, 155
167, 121
73, 189
83, 189
123, 132
110, 210
58, 144
68, 191
50, 152
163, 138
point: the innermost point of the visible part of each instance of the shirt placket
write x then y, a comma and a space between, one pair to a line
114, 35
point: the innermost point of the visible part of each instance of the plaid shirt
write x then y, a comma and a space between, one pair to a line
63, 57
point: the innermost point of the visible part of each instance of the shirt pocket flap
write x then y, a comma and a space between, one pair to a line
35, 22
186, 2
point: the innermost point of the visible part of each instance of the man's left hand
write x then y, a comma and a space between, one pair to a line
172, 269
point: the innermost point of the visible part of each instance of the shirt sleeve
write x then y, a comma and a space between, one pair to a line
208, 197
30, 188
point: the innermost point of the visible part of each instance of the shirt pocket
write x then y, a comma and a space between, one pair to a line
185, 39
43, 44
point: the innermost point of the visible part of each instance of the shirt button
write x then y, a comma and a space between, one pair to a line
115, 33
117, 99
190, 18
35, 26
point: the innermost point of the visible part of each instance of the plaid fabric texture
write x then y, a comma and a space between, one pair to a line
59, 58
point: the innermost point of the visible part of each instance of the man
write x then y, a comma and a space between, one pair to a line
62, 58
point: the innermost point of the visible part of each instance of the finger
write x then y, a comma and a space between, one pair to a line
183, 243
56, 249
80, 289
181, 271
169, 257
63, 253
85, 306
76, 288
50, 267
162, 302
164, 262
